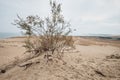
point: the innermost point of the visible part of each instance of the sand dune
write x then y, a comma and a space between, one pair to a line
86, 62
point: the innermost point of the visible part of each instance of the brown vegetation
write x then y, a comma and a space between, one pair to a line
47, 36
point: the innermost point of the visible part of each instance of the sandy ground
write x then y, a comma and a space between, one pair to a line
86, 62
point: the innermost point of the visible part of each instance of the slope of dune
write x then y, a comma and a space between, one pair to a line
86, 62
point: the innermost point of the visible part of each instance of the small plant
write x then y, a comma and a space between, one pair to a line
47, 36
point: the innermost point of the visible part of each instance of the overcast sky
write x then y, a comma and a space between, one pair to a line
86, 16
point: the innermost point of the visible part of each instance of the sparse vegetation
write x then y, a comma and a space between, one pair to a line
47, 36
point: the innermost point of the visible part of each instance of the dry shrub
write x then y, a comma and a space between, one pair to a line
47, 36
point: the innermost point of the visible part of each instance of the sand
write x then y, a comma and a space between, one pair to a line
86, 62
